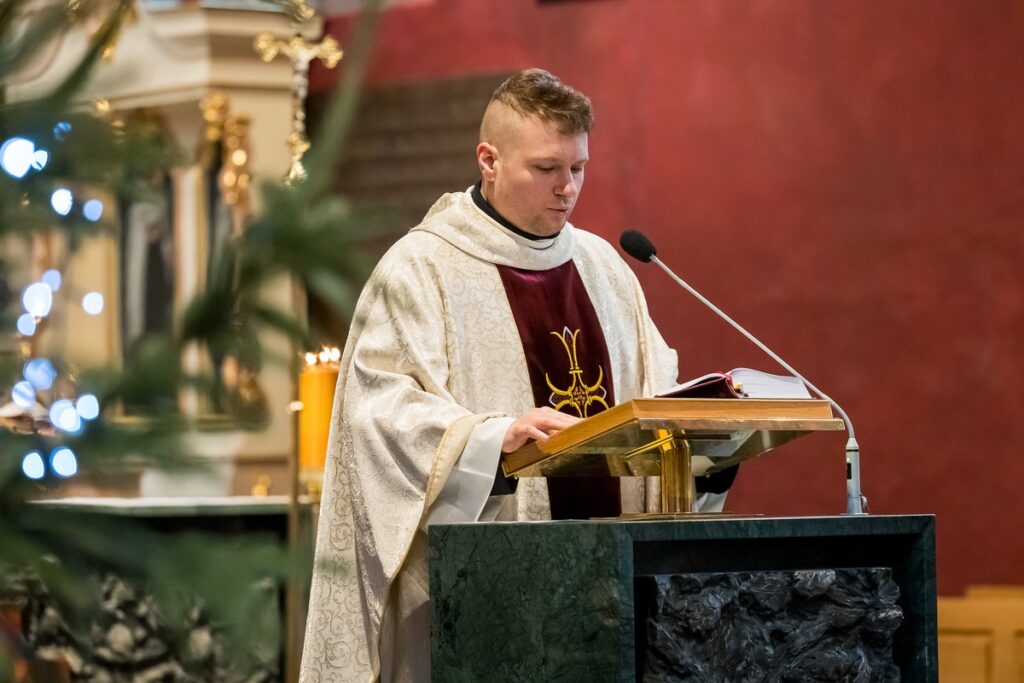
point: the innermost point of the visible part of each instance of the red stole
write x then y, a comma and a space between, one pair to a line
567, 359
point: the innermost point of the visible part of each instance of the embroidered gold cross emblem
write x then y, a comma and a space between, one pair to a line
579, 395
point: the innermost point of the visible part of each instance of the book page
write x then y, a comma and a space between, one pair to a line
757, 384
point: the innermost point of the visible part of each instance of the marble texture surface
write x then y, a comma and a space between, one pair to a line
553, 606
563, 601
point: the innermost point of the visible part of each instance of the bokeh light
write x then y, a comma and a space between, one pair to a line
70, 421
33, 466
62, 200
16, 156
93, 210
64, 416
52, 279
58, 409
93, 303
63, 462
37, 299
39, 159
61, 130
23, 395
88, 406
26, 324
40, 373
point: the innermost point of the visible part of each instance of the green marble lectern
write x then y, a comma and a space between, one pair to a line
824, 598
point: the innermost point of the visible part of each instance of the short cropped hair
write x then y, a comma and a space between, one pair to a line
536, 92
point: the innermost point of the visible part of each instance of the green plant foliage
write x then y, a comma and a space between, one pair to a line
302, 233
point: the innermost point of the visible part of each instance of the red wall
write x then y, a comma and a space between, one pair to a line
847, 179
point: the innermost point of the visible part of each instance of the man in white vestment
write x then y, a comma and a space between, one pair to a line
491, 323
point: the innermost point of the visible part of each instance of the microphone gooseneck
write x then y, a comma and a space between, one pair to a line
640, 247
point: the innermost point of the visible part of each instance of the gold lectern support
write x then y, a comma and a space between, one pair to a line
678, 493
674, 438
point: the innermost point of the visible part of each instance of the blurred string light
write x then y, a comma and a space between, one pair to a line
87, 406
62, 200
39, 159
58, 408
63, 416
23, 395
16, 156
37, 299
27, 324
93, 303
93, 210
40, 373
63, 462
33, 466
61, 130
52, 279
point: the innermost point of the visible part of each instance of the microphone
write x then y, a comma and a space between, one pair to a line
637, 245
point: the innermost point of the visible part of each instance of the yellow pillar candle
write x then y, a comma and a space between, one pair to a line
316, 392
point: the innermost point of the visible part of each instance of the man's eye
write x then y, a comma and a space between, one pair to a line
577, 169
546, 169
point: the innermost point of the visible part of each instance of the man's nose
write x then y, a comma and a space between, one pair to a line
567, 186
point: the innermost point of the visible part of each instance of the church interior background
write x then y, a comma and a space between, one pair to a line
845, 179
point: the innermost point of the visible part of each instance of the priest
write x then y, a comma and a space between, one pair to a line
491, 323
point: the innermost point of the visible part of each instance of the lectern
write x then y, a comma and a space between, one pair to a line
676, 439
682, 596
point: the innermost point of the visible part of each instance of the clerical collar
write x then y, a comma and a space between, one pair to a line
485, 206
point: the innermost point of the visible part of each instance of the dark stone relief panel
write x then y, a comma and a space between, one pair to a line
789, 626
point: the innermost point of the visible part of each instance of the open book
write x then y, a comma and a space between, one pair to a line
740, 383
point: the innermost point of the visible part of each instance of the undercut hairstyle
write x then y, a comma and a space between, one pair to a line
536, 92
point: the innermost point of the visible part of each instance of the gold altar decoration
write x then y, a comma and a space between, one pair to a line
235, 174
222, 154
300, 11
214, 108
226, 140
301, 52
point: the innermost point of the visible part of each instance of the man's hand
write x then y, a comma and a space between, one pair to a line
538, 424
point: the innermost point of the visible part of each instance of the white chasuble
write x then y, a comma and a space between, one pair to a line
433, 371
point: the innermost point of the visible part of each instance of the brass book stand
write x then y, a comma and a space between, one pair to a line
676, 439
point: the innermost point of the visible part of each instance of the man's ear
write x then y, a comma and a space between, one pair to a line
486, 157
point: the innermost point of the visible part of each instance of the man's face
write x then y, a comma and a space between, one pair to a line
536, 173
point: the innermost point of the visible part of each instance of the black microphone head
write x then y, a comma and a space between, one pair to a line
636, 244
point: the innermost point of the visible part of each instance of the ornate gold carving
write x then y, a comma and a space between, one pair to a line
215, 112
300, 11
578, 395
235, 174
232, 132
